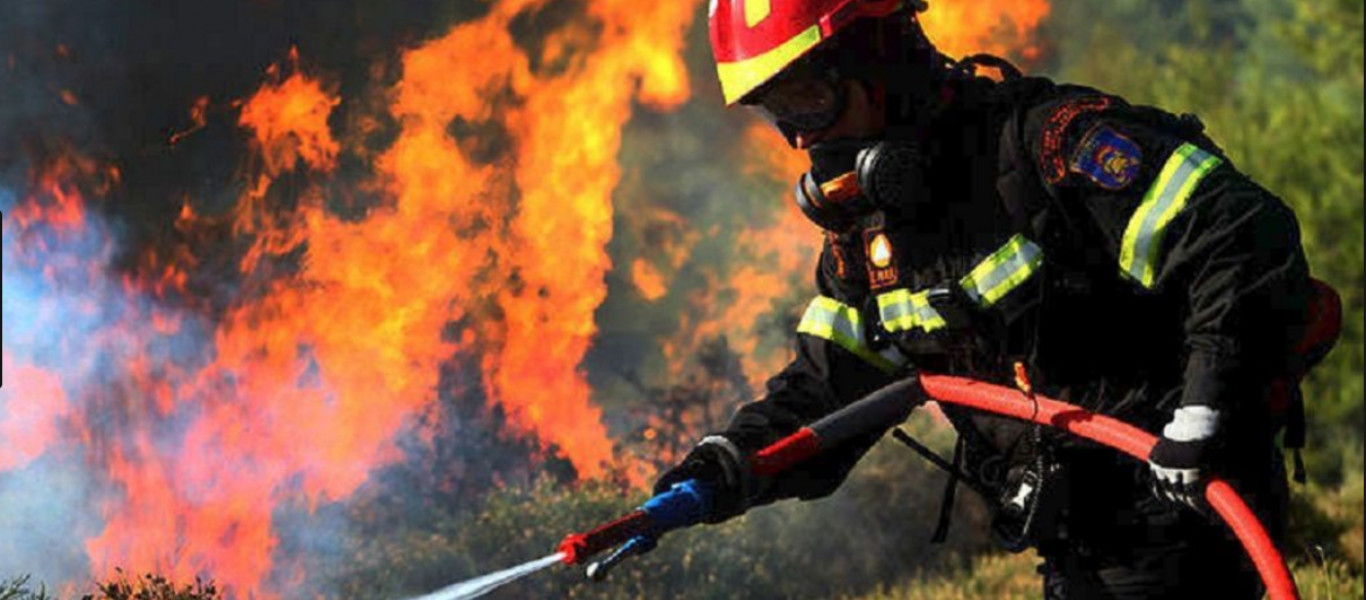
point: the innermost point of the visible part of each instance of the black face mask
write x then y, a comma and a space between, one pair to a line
850, 179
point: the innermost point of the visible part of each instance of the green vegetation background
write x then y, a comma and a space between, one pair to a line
1278, 84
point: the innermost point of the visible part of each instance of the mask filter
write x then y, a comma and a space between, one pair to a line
851, 179
835, 205
892, 174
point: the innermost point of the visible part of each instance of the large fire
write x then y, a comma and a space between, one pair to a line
202, 420
961, 28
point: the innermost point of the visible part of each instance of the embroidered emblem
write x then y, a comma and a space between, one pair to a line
881, 268
837, 252
1107, 157
1055, 131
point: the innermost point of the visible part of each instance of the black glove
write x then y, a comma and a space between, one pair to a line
718, 463
1180, 460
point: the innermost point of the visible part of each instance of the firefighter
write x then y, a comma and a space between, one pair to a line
1112, 252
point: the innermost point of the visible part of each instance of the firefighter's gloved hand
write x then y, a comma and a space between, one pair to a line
1180, 459
719, 463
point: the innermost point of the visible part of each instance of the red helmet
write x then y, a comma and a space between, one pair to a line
754, 40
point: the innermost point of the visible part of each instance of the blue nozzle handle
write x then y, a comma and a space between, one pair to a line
684, 504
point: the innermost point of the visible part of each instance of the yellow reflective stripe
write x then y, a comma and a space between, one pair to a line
1003, 271
1163, 201
901, 310
742, 76
755, 11
829, 319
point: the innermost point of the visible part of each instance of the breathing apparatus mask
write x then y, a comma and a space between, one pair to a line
851, 179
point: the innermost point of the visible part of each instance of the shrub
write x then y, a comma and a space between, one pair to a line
874, 529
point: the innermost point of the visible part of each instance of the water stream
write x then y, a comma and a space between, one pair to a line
479, 586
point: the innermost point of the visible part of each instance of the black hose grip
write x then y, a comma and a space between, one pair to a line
878, 411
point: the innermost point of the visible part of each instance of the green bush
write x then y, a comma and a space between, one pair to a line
120, 587
18, 589
153, 587
874, 529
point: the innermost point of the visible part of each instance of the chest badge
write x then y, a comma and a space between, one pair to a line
881, 268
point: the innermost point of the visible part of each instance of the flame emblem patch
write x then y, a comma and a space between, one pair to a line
880, 251
881, 268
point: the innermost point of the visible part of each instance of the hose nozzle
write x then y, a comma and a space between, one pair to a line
597, 571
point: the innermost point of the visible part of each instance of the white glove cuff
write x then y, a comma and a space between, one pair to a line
1192, 424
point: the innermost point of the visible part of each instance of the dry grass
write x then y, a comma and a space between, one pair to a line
1009, 576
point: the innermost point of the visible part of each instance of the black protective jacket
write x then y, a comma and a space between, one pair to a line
1111, 248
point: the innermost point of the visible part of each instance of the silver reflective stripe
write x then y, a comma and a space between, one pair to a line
1138, 255
1007, 268
829, 319
929, 318
901, 310
896, 310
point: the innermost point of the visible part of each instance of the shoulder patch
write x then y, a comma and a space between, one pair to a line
1055, 133
1107, 157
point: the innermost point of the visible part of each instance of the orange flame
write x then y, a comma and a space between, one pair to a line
963, 27
336, 342
648, 280
290, 123
312, 378
566, 172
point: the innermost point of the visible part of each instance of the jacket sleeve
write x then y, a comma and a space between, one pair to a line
1184, 226
829, 371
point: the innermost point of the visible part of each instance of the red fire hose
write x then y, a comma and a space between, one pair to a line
892, 404
1129, 440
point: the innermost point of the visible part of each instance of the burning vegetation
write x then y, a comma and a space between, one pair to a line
371, 265
369, 285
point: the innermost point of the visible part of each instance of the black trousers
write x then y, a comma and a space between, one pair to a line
1146, 548
1188, 570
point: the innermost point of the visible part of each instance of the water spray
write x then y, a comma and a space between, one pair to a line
683, 505
479, 586
687, 503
